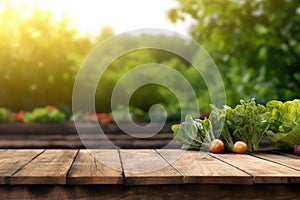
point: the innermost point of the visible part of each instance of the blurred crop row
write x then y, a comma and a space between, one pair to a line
50, 114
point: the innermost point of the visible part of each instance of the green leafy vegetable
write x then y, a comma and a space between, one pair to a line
284, 131
247, 122
220, 128
194, 134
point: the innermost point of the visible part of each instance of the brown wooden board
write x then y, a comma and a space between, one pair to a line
147, 167
160, 192
199, 167
51, 167
96, 167
281, 158
92, 140
2, 150
263, 171
13, 160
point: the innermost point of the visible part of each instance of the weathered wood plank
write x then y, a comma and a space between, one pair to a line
262, 170
186, 191
2, 150
55, 141
198, 167
144, 167
96, 167
51, 167
281, 158
147, 167
13, 160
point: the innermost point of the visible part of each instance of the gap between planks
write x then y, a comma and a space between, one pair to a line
13, 161
177, 174
122, 167
287, 160
201, 167
96, 167
69, 170
29, 161
50, 167
263, 171
146, 167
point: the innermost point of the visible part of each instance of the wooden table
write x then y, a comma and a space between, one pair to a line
147, 173
64, 135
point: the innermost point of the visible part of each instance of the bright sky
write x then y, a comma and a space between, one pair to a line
122, 15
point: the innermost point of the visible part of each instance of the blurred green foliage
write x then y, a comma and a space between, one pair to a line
40, 58
255, 44
4, 115
45, 115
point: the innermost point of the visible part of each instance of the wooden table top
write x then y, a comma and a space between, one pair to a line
144, 167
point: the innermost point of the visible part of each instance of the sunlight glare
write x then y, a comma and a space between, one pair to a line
89, 15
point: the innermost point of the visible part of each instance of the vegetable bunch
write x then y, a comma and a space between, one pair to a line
194, 134
284, 131
245, 124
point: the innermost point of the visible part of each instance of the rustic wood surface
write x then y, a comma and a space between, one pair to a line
146, 173
145, 166
87, 169
100, 141
198, 167
288, 160
64, 135
263, 171
50, 167
12, 161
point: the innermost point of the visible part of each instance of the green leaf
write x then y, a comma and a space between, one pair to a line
286, 140
246, 122
285, 128
175, 127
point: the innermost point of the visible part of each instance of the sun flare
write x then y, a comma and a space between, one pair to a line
89, 16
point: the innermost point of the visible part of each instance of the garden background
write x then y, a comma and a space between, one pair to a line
255, 45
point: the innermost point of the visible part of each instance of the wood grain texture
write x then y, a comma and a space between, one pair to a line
263, 171
96, 167
160, 192
288, 160
64, 135
51, 167
147, 167
13, 160
2, 150
198, 167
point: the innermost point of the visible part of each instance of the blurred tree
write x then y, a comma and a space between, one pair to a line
255, 44
104, 33
150, 94
39, 58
